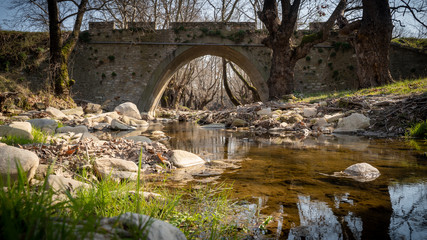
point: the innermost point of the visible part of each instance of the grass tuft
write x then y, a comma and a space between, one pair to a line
419, 130
38, 137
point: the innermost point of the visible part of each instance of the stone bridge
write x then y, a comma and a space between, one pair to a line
112, 66
135, 64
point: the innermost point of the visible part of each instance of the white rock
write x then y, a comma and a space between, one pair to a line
181, 159
27, 159
309, 112
334, 117
18, 129
116, 168
61, 184
101, 126
363, 172
156, 229
44, 124
354, 122
128, 109
265, 111
56, 113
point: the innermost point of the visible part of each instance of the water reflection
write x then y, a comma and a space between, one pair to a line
409, 218
317, 221
285, 175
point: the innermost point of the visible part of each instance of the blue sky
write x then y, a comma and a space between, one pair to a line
5, 13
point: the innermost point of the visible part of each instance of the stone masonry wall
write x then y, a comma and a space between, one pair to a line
118, 71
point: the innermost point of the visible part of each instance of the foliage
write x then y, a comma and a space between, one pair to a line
418, 130
398, 88
39, 137
22, 50
30, 212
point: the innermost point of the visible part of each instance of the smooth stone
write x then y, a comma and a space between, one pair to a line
363, 172
73, 111
117, 125
182, 159
28, 160
116, 168
321, 122
17, 129
139, 139
76, 129
56, 113
155, 228
61, 184
354, 122
44, 124
128, 109
309, 112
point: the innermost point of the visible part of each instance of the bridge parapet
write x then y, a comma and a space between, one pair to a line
228, 26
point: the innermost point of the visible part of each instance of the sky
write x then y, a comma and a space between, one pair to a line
6, 17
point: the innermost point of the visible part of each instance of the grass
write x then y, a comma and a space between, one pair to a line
39, 137
418, 130
35, 212
412, 42
397, 88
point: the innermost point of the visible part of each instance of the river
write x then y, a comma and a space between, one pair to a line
287, 179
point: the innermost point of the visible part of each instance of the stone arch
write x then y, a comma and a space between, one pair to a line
154, 89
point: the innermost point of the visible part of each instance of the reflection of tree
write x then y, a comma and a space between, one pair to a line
409, 211
317, 221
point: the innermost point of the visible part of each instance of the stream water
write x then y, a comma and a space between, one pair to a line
283, 177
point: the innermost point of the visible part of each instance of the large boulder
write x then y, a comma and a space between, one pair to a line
354, 122
17, 129
181, 159
9, 156
56, 113
44, 124
128, 109
153, 229
115, 168
362, 172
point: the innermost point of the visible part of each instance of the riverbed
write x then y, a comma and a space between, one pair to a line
289, 180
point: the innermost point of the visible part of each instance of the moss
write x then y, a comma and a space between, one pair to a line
311, 38
113, 74
308, 58
111, 58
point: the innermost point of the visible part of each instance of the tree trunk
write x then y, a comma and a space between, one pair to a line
281, 81
372, 44
255, 94
226, 86
60, 52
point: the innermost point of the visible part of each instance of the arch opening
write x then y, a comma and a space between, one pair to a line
181, 56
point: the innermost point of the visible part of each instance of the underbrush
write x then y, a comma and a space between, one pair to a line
404, 87
36, 212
